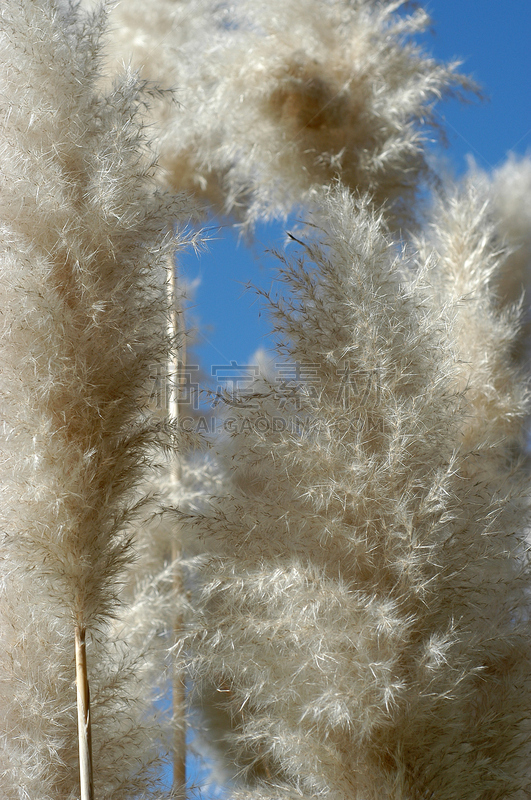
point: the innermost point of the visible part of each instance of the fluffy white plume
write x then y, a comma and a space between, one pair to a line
365, 616
510, 189
85, 241
273, 98
511, 193
469, 261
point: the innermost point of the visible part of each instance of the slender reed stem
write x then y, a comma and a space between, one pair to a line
179, 700
175, 379
83, 717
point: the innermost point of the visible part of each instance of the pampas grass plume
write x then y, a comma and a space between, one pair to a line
273, 99
365, 607
85, 240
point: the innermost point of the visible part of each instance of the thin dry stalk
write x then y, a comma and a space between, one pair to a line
179, 698
83, 717
175, 380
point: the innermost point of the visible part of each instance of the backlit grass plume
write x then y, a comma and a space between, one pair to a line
365, 607
510, 188
85, 240
274, 98
511, 197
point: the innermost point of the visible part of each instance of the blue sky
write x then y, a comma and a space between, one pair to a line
492, 38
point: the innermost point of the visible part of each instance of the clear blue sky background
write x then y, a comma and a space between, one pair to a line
492, 38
